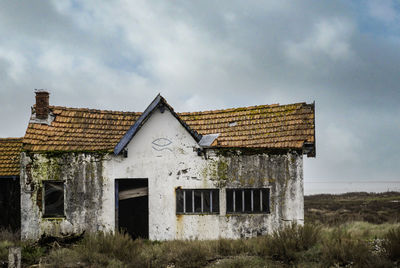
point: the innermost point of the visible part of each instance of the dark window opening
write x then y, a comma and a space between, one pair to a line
197, 201
247, 200
179, 202
53, 199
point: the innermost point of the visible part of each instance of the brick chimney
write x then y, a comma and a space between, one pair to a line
42, 104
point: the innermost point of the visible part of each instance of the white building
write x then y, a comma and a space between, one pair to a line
164, 175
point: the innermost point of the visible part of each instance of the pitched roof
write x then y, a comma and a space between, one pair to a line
265, 126
10, 150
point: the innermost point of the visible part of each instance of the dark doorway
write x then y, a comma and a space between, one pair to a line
10, 203
132, 207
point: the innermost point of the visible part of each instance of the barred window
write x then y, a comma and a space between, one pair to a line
197, 201
53, 198
255, 200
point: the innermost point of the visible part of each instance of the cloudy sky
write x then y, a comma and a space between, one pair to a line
117, 55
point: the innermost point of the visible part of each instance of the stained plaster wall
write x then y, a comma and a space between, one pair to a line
83, 195
164, 153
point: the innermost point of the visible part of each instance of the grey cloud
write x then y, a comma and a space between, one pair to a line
210, 55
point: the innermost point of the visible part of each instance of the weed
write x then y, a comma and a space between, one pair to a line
31, 253
285, 244
391, 244
343, 250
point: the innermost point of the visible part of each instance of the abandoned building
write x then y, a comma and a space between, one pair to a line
159, 174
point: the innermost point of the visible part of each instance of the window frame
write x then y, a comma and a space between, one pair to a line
212, 192
243, 201
46, 215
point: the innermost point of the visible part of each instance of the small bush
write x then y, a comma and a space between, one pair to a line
231, 247
184, 253
343, 250
101, 248
285, 244
391, 244
31, 253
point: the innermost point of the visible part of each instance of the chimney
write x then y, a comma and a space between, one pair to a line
42, 104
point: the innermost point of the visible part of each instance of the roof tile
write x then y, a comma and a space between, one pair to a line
265, 126
10, 151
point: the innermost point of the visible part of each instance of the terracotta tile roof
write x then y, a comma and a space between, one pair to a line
266, 126
76, 129
10, 150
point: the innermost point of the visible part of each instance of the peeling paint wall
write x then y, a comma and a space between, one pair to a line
83, 195
164, 153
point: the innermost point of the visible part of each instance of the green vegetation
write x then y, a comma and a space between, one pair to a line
316, 244
331, 210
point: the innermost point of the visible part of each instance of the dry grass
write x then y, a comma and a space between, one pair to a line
330, 209
350, 244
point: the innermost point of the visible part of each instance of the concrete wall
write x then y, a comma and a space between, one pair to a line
164, 153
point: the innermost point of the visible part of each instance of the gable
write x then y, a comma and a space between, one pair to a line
159, 103
161, 136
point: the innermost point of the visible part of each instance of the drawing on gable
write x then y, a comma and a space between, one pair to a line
157, 174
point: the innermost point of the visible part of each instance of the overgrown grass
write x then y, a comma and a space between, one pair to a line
352, 245
391, 244
296, 245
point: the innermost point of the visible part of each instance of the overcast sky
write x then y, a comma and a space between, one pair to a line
117, 55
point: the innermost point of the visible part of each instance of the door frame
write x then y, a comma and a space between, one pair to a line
116, 197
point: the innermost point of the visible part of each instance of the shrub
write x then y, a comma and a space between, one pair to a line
391, 244
31, 253
343, 250
184, 253
231, 247
285, 244
101, 248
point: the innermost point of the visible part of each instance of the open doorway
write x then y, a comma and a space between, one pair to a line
132, 207
10, 205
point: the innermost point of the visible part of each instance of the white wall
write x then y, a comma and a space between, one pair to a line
163, 166
164, 153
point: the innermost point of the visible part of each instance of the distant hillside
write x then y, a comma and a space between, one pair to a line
361, 206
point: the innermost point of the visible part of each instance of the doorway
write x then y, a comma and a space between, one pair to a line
10, 203
132, 207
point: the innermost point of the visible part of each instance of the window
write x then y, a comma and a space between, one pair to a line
247, 200
197, 201
53, 198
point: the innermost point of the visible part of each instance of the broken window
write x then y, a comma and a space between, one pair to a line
254, 200
53, 198
197, 201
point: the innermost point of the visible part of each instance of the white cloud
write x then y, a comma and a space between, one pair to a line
15, 61
329, 38
383, 10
